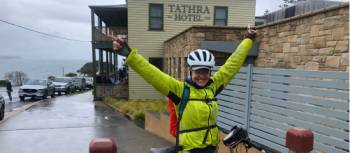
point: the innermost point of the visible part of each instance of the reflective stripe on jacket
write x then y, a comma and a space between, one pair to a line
197, 114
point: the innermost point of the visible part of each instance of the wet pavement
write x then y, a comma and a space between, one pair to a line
67, 124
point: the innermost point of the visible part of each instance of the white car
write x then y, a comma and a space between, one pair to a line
36, 88
89, 82
79, 83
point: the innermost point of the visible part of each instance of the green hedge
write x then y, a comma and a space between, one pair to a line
3, 83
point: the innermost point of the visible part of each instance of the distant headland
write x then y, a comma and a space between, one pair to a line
9, 57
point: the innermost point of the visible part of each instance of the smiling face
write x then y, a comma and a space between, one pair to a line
201, 76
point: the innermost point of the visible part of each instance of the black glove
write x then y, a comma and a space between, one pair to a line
250, 33
125, 50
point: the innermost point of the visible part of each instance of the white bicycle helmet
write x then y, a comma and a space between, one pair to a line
200, 58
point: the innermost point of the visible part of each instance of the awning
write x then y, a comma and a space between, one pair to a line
227, 46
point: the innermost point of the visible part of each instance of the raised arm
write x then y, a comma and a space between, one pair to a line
161, 81
232, 65
158, 79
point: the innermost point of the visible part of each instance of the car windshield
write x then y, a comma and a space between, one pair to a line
66, 80
36, 82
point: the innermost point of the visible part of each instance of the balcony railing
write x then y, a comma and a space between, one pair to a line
102, 39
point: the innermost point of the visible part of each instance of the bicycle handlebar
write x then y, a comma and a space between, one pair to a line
239, 135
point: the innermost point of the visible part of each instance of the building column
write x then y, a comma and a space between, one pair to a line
107, 64
116, 64
93, 52
111, 65
101, 62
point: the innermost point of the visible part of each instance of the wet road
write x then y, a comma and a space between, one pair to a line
16, 103
67, 125
12, 106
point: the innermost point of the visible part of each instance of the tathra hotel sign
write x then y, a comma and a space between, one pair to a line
186, 12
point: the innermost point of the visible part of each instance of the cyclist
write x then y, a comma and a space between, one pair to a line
197, 132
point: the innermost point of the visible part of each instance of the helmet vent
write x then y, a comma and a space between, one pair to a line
191, 58
198, 56
204, 56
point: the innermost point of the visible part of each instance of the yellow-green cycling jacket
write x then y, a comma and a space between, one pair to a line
198, 114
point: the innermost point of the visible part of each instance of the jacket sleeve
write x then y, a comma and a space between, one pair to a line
158, 79
232, 65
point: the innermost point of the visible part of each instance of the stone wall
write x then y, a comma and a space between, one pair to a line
177, 48
314, 41
113, 90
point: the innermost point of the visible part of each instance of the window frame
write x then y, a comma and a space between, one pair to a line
150, 28
155, 60
226, 17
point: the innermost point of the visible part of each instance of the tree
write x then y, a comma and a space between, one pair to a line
51, 78
266, 12
17, 77
287, 3
71, 74
86, 69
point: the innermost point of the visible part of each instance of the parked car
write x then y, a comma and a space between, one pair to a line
36, 88
79, 83
89, 82
2, 108
63, 84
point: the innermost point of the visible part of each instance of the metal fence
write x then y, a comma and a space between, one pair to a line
299, 9
268, 101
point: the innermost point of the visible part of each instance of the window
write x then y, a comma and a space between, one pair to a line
220, 16
157, 62
156, 16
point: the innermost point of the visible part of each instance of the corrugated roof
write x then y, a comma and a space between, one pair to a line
112, 15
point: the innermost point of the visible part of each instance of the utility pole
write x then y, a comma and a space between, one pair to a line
63, 71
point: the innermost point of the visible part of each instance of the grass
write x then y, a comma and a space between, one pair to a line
136, 109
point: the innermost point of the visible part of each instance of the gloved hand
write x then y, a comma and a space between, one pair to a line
120, 46
250, 33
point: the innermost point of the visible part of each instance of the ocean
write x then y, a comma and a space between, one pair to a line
40, 69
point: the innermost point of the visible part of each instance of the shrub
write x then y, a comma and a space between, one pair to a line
136, 109
3, 83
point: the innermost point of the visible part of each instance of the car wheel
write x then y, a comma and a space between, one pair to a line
2, 112
45, 95
53, 94
21, 98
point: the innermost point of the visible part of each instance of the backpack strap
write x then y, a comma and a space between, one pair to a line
182, 105
183, 102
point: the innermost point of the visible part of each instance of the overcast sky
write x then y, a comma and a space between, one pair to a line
66, 18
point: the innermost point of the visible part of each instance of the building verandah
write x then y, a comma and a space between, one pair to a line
107, 21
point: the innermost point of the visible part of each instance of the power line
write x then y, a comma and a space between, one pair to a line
43, 33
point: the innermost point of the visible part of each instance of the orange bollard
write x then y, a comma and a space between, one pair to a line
299, 140
102, 145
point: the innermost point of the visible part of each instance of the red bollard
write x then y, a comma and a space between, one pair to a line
299, 140
102, 145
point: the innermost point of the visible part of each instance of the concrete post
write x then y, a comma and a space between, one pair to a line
299, 140
102, 145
